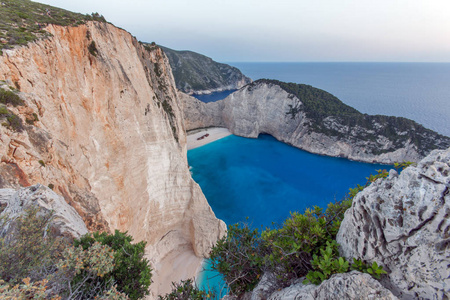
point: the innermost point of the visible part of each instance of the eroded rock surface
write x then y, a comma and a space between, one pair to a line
66, 221
322, 124
402, 223
109, 137
348, 286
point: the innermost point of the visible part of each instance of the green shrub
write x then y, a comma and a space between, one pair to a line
404, 165
239, 258
187, 289
304, 245
14, 122
42, 163
302, 235
33, 261
32, 120
374, 269
92, 48
380, 174
80, 271
132, 272
4, 111
51, 186
9, 97
32, 290
25, 246
327, 264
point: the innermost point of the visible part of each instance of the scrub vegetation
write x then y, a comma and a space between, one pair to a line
23, 21
36, 263
332, 117
194, 72
305, 245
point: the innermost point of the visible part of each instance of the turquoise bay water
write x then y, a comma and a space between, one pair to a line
265, 180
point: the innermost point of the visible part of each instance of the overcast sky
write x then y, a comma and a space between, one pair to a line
285, 30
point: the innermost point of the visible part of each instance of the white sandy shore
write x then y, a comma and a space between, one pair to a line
215, 133
180, 264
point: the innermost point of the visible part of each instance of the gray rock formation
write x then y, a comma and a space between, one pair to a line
198, 74
349, 286
65, 219
314, 120
402, 223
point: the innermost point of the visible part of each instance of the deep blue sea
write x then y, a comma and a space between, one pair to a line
418, 91
265, 180
214, 96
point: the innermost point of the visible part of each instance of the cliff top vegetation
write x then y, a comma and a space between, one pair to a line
195, 72
22, 21
331, 116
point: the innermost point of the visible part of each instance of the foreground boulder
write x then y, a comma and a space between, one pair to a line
354, 285
66, 221
402, 223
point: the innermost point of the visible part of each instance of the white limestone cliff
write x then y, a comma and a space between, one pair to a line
343, 286
264, 107
110, 139
402, 223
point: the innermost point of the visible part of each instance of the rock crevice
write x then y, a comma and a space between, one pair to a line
412, 209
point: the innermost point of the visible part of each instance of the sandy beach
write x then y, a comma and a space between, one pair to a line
215, 133
180, 264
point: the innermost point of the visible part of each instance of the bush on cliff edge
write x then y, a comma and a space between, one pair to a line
36, 262
304, 245
131, 272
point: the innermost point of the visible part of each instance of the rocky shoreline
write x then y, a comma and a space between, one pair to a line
332, 128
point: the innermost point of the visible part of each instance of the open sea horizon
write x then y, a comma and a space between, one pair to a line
264, 179
417, 91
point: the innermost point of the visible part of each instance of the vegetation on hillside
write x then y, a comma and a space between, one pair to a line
305, 245
22, 21
188, 290
131, 271
325, 110
35, 263
195, 72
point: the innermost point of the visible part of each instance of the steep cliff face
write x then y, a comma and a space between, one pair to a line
402, 222
110, 137
198, 74
314, 120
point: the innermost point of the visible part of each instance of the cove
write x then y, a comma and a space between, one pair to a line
213, 97
264, 180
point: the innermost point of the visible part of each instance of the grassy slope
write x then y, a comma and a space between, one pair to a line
22, 21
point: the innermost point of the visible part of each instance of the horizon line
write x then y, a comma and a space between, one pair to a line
375, 62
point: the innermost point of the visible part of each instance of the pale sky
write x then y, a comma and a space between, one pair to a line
285, 30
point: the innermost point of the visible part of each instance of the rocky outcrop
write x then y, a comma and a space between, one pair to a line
314, 120
65, 220
198, 74
402, 223
348, 286
108, 135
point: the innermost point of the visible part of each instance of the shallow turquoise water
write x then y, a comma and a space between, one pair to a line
265, 180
